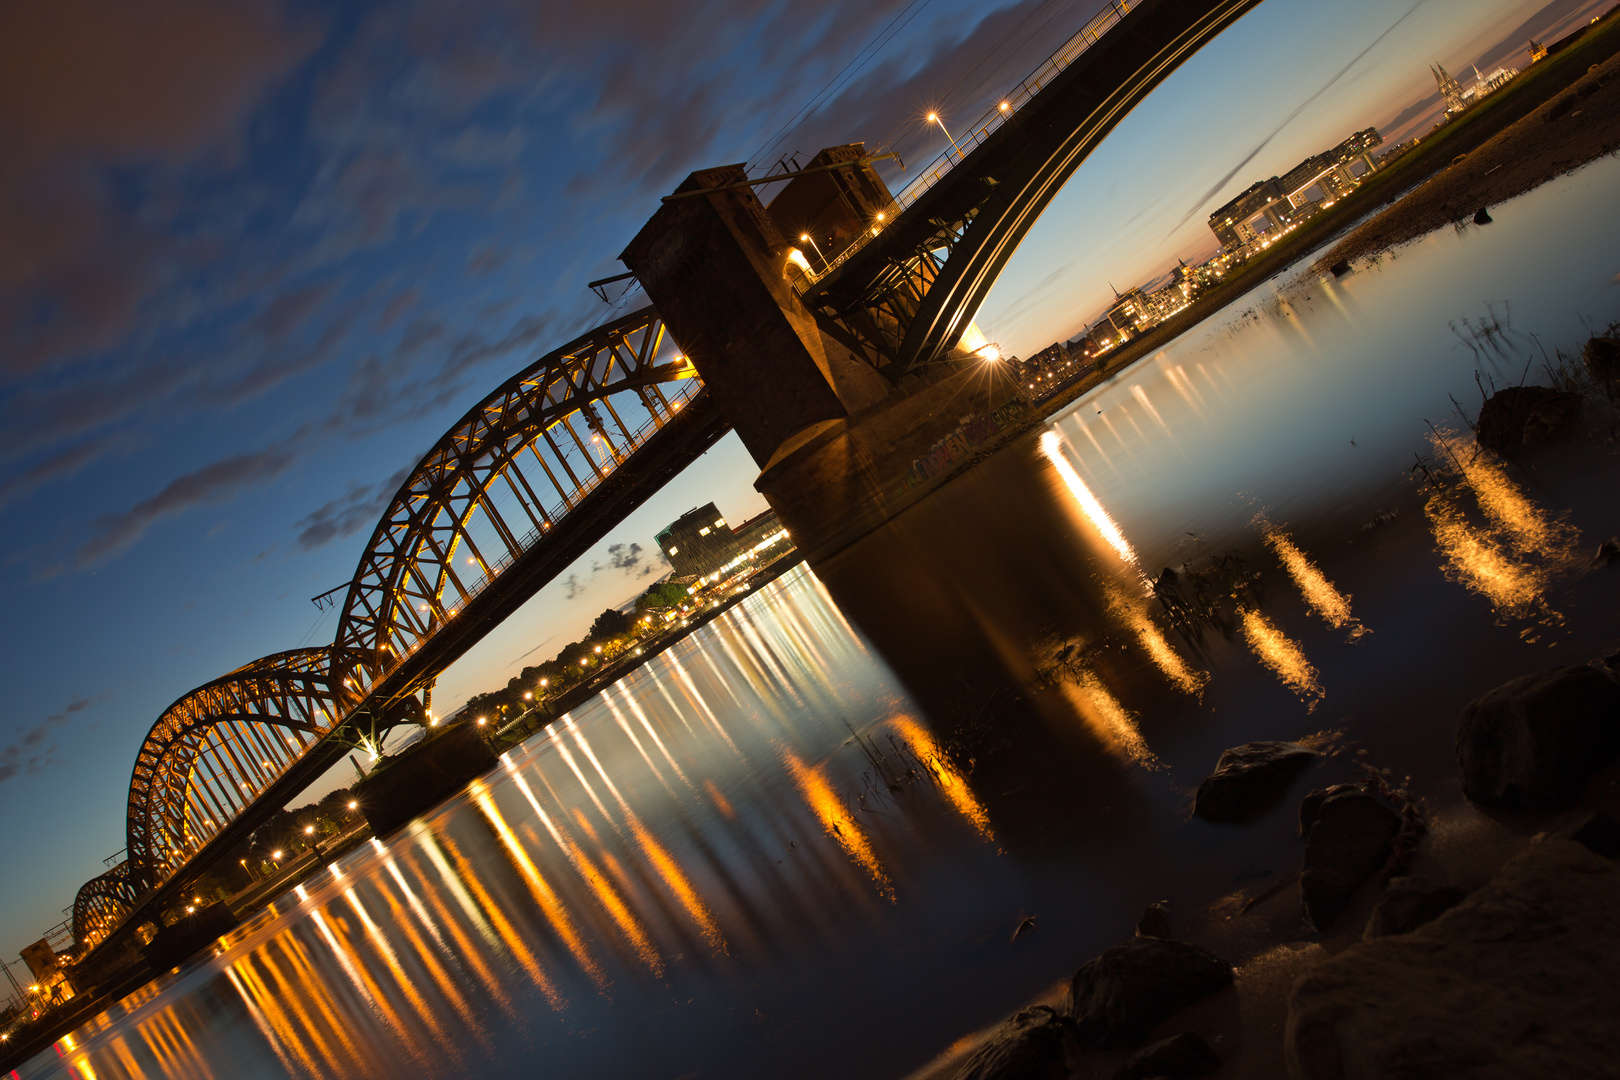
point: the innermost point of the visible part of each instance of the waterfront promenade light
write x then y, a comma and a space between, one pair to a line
933, 118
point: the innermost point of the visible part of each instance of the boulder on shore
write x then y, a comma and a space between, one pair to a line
1517, 980
1179, 1057
1602, 356
1515, 416
1532, 743
1116, 999
1349, 836
1408, 903
1249, 780
1033, 1044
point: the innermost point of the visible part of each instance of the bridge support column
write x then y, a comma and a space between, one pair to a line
841, 448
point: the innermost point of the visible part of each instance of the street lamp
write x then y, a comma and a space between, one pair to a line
805, 238
933, 118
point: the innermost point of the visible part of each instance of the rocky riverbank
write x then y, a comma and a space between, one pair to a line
1460, 927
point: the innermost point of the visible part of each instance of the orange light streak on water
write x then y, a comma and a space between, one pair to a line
624, 726
573, 767
720, 801
1052, 447
1159, 650
594, 880
1282, 656
401, 979
1327, 601
641, 718
827, 807
952, 783
1474, 560
1108, 719
678, 884
1530, 530
510, 941
550, 905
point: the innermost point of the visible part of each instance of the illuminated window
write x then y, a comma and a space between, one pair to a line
703, 531
674, 551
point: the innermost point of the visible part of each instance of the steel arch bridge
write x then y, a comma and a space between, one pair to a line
205, 761
502, 479
541, 469
527, 480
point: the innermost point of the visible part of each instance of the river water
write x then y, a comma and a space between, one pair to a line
799, 843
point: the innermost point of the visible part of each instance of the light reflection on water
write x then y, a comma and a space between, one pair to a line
772, 852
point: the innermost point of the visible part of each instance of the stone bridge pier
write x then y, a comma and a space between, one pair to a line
841, 448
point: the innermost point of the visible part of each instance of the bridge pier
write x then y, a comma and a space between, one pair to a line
841, 448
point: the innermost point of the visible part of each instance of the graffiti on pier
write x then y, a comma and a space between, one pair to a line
971, 434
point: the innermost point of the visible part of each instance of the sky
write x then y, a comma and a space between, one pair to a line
256, 256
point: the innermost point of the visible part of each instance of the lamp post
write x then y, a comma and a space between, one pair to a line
933, 118
805, 238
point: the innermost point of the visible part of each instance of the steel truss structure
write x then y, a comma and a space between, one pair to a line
502, 478
905, 298
508, 473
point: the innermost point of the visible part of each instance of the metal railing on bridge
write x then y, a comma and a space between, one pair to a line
993, 118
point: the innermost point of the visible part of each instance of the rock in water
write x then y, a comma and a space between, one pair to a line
1117, 998
1349, 835
1532, 743
1155, 921
1031, 1045
1408, 903
1248, 780
1516, 415
1179, 1057
1482, 216
1516, 981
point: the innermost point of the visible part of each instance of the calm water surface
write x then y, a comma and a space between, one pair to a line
756, 857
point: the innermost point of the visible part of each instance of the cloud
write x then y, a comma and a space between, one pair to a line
358, 508
398, 305
572, 587
288, 310
25, 755
20, 480
210, 484
626, 557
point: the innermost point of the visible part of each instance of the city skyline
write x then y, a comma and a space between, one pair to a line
190, 457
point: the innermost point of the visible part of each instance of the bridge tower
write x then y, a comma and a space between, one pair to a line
836, 440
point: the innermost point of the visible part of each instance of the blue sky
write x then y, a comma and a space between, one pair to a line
256, 256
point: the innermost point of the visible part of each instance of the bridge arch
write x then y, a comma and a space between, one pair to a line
509, 472
903, 299
212, 752
102, 903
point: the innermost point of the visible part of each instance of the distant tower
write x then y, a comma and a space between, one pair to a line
1450, 89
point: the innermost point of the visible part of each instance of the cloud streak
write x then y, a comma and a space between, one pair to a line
211, 484
27, 755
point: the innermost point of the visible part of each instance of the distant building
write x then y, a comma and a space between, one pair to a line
699, 542
1270, 207
762, 535
1451, 91
1457, 97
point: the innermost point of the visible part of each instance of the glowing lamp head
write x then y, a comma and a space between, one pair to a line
275, 854
1004, 106
353, 805
933, 118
